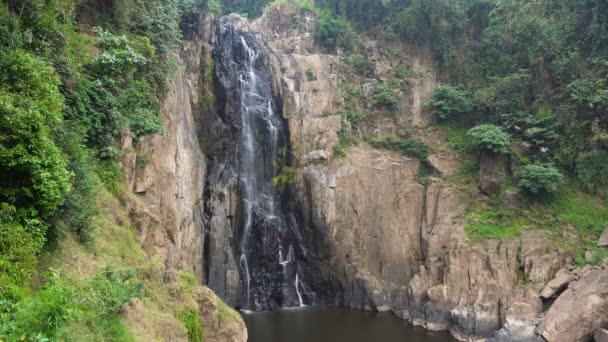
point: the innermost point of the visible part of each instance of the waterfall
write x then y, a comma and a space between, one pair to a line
266, 245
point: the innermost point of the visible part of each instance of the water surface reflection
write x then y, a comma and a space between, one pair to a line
332, 324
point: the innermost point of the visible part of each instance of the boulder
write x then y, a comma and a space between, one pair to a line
492, 172
579, 311
560, 282
509, 200
603, 241
601, 335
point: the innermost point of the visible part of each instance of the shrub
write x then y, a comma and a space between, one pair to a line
450, 102
538, 179
384, 96
592, 170
362, 65
284, 178
34, 174
354, 117
410, 146
191, 320
332, 32
19, 244
490, 138
310, 76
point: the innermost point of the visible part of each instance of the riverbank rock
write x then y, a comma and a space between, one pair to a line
601, 335
560, 282
579, 311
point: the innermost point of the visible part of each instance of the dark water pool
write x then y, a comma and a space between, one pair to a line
331, 324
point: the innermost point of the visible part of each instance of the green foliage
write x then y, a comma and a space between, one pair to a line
539, 179
449, 102
20, 243
592, 171
490, 138
285, 178
384, 97
34, 172
362, 65
408, 146
493, 224
192, 321
334, 32
587, 213
400, 72
354, 117
46, 314
310, 76
79, 205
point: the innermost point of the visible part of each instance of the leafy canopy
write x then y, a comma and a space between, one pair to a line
539, 179
450, 102
490, 138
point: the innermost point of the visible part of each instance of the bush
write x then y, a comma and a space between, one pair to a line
310, 76
332, 32
34, 174
450, 102
410, 146
362, 66
490, 138
191, 320
19, 244
354, 117
592, 170
539, 179
284, 178
384, 97
44, 315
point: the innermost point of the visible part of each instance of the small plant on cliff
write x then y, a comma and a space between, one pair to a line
412, 147
310, 76
538, 179
284, 178
384, 97
191, 320
449, 102
489, 138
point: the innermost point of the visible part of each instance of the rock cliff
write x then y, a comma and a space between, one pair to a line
167, 173
378, 236
368, 231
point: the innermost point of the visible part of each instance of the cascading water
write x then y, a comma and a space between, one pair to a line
266, 237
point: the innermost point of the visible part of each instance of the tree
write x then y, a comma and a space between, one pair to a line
450, 102
538, 179
490, 138
34, 172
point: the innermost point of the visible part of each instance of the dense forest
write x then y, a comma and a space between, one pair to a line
529, 78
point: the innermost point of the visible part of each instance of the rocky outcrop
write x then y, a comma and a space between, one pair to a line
492, 172
603, 241
168, 170
366, 253
220, 323
167, 173
579, 311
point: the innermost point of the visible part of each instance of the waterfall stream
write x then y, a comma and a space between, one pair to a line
267, 241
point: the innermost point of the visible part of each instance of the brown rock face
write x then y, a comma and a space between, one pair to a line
492, 172
603, 241
347, 205
579, 311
